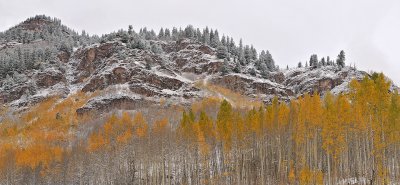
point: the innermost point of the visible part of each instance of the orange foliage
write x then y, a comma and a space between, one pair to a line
125, 136
96, 141
140, 125
38, 154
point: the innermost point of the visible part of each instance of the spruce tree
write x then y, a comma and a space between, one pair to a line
225, 67
314, 60
299, 65
270, 61
323, 62
237, 68
167, 34
161, 34
341, 59
222, 52
130, 30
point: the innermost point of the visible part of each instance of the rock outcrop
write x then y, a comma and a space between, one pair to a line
129, 77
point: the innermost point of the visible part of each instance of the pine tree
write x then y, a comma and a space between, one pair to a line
341, 59
223, 41
222, 52
328, 61
264, 70
130, 30
214, 39
161, 34
247, 54
237, 68
156, 48
314, 60
167, 34
189, 32
206, 36
323, 62
225, 67
270, 61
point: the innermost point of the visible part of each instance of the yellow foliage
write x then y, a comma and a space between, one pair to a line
310, 177
140, 125
38, 154
125, 137
96, 141
160, 127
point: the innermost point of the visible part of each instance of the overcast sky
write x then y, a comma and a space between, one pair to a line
292, 30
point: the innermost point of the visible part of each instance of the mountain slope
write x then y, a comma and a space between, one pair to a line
130, 70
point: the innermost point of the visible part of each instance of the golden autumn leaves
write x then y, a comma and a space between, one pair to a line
120, 130
310, 140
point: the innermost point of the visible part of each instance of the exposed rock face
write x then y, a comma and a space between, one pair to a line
251, 86
63, 56
49, 78
90, 59
14, 94
327, 78
134, 78
107, 103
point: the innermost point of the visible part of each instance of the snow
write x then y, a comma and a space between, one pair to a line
169, 92
257, 80
104, 99
177, 76
304, 79
299, 80
352, 180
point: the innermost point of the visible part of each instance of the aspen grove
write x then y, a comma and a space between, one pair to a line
313, 139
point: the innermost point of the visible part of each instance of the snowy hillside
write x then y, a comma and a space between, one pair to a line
41, 57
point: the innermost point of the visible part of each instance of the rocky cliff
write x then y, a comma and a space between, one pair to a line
126, 77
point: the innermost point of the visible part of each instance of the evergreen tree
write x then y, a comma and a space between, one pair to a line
328, 61
223, 41
253, 53
314, 60
341, 59
189, 32
222, 52
214, 39
270, 61
175, 34
156, 48
252, 72
247, 54
237, 68
264, 70
323, 62
225, 67
206, 36
167, 34
130, 30
161, 34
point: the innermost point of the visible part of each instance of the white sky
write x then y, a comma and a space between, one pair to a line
292, 30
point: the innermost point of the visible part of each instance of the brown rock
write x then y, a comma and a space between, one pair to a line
63, 56
206, 50
108, 104
49, 78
